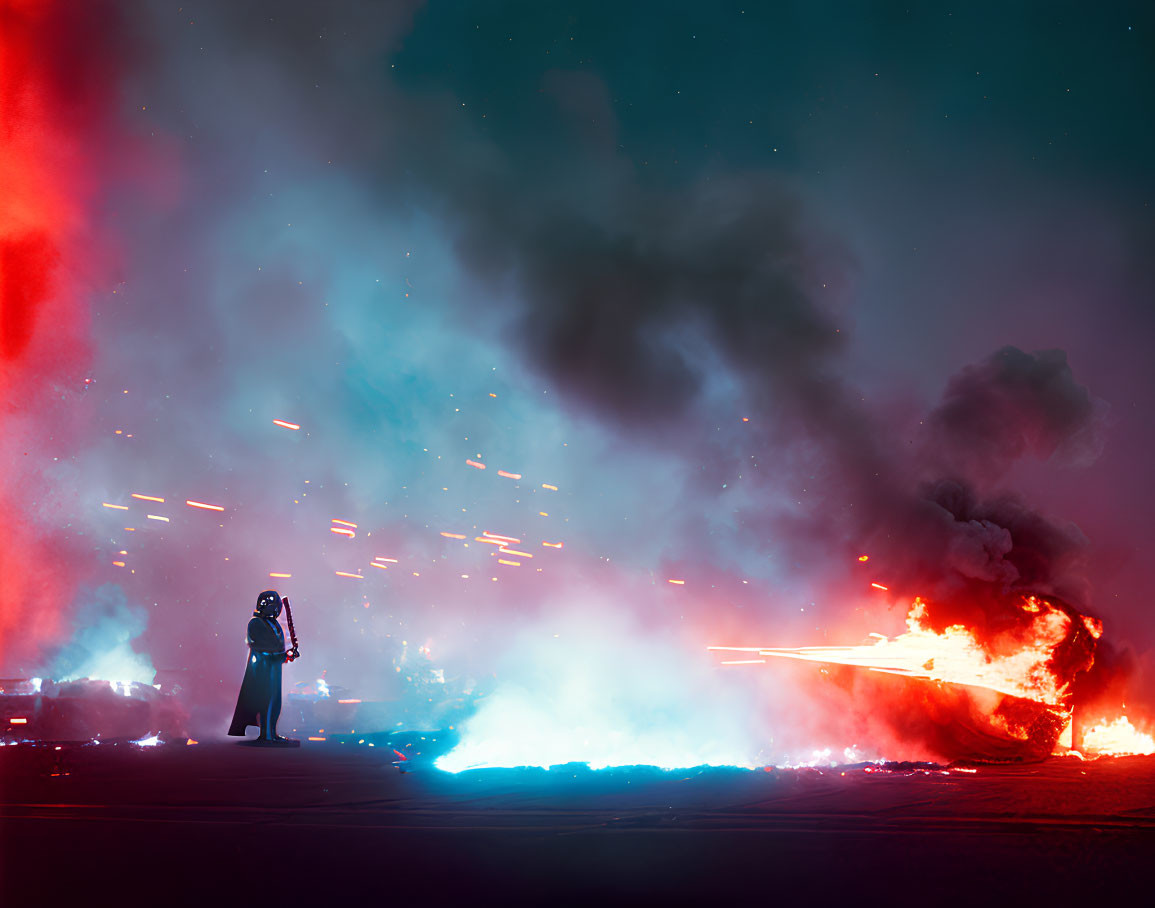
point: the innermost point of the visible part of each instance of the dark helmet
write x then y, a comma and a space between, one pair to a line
268, 604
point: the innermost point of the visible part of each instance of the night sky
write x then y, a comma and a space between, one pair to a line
759, 289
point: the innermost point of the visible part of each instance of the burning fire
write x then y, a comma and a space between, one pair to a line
1116, 739
1031, 666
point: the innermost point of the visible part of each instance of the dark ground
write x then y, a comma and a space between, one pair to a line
116, 824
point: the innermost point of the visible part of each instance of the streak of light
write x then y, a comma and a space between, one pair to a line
453, 535
745, 419
118, 563
348, 701
743, 662
377, 564
286, 425
157, 517
343, 532
18, 720
347, 574
191, 741
505, 539
739, 649
879, 586
147, 497
496, 542
515, 552
474, 463
276, 574
512, 563
201, 504
542, 514
552, 545
344, 523
678, 582
119, 507
863, 557
130, 529
546, 485
491, 394
315, 738
383, 558
509, 475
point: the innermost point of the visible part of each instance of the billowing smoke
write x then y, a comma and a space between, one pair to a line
102, 645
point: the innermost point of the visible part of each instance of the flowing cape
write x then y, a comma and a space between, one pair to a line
262, 673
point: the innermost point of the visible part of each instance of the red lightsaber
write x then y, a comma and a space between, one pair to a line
292, 630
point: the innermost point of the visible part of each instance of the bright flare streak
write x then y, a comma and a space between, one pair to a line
879, 586
119, 507
348, 701
347, 574
344, 523
863, 557
383, 558
18, 720
285, 576
377, 564
553, 545
509, 475
286, 425
515, 552
508, 540
512, 563
954, 656
1117, 739
474, 463
678, 582
118, 563
341, 531
201, 504
157, 517
453, 535
147, 497
496, 542
546, 485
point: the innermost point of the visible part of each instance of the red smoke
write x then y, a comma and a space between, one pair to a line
56, 83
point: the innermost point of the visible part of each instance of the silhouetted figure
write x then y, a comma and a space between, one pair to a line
259, 702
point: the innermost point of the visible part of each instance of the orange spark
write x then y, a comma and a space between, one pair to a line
879, 586
286, 425
474, 463
119, 507
515, 552
157, 517
453, 535
863, 557
513, 563
542, 514
383, 558
201, 504
275, 574
343, 522
497, 542
552, 545
505, 539
678, 582
344, 532
546, 485
119, 563
315, 738
18, 720
348, 701
378, 564
347, 574
147, 497
509, 475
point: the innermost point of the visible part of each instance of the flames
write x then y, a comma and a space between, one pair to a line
1116, 739
1004, 694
